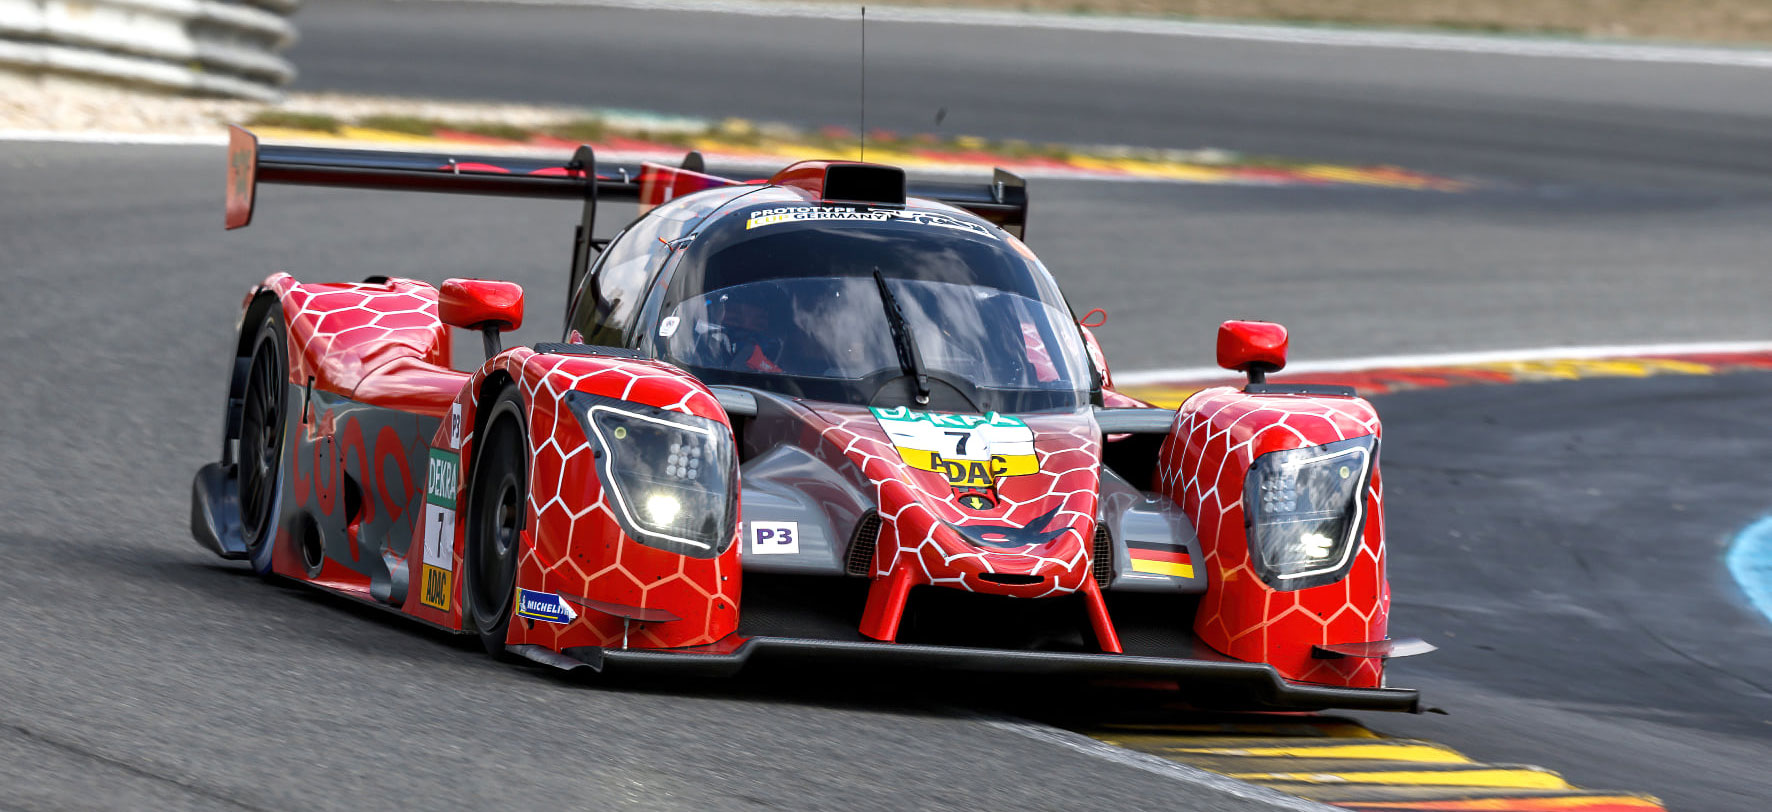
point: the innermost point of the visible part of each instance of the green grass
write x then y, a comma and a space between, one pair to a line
410, 125
508, 132
295, 121
584, 130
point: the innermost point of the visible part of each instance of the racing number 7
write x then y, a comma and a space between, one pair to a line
960, 442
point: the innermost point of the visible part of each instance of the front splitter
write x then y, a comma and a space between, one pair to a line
1258, 684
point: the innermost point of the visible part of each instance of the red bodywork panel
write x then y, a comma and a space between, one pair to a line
919, 545
384, 339
1204, 461
576, 547
382, 345
662, 184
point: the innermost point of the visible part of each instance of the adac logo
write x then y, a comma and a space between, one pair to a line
969, 451
544, 606
967, 473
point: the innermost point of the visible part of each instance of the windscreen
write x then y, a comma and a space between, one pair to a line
788, 294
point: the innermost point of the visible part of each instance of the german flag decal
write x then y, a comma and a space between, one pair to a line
1160, 559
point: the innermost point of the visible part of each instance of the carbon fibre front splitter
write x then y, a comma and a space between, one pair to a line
1257, 685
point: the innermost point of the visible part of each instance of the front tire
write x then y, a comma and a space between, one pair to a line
498, 498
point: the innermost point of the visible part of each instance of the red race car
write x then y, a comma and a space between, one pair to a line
830, 412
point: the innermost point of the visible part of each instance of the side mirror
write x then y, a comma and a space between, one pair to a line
1254, 348
483, 305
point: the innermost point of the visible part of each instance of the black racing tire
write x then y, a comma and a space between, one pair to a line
264, 416
497, 502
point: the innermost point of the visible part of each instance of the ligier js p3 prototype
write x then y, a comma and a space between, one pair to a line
830, 413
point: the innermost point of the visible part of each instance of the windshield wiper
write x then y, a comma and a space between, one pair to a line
909, 359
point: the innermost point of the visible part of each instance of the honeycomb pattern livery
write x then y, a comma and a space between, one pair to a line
341, 333
918, 506
380, 344
377, 344
574, 545
1218, 434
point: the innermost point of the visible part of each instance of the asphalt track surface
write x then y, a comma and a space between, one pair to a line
1561, 541
1620, 203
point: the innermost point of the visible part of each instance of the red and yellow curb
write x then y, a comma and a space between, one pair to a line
1340, 763
1385, 379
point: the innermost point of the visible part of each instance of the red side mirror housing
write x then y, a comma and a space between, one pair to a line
1252, 347
481, 304
486, 305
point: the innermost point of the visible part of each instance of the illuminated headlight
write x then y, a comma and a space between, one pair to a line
1304, 509
669, 477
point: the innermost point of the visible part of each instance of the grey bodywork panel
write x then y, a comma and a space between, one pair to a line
1133, 516
1135, 421
383, 453
790, 476
790, 485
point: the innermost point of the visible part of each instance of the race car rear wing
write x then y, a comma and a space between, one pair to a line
1003, 201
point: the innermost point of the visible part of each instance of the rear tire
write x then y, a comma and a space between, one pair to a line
498, 500
264, 414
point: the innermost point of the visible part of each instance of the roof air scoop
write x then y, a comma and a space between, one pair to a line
845, 181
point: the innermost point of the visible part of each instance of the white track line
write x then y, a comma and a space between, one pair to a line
1454, 359
1175, 771
1278, 34
104, 137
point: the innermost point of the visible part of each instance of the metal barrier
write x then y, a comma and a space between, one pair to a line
210, 47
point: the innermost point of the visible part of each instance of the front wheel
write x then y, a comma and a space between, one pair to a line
498, 495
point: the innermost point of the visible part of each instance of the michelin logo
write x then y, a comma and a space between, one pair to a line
544, 606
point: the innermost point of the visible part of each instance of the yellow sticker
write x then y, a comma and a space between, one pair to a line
436, 591
963, 473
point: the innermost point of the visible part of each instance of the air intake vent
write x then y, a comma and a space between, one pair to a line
861, 546
1011, 579
864, 183
845, 181
1103, 562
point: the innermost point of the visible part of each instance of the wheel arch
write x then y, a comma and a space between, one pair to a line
486, 390
258, 303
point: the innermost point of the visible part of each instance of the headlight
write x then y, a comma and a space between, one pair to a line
669, 477
1304, 509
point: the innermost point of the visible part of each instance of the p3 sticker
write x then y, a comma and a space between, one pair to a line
775, 538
